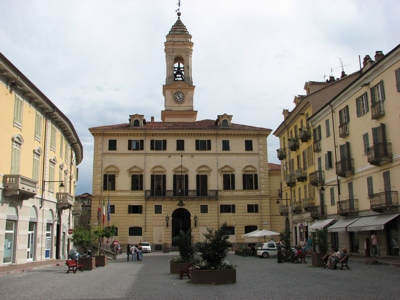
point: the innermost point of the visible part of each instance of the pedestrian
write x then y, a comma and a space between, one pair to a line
140, 253
134, 253
375, 245
279, 251
128, 251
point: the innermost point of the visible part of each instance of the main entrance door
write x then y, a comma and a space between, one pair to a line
180, 221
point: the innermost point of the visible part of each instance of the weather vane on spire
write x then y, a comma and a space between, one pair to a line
179, 8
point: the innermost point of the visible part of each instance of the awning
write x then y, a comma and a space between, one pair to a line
341, 225
320, 224
371, 223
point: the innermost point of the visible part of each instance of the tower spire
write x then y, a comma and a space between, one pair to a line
178, 10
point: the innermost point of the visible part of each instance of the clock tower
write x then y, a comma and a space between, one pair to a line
178, 90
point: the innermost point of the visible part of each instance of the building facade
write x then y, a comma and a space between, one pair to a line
360, 158
39, 152
180, 173
298, 144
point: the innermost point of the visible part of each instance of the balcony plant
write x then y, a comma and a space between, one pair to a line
214, 269
321, 240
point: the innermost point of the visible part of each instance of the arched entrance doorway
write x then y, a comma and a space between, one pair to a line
180, 221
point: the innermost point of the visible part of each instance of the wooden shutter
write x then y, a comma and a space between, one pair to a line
152, 142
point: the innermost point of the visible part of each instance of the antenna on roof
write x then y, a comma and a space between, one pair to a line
178, 10
341, 66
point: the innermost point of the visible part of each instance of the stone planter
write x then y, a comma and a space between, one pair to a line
89, 263
101, 260
175, 266
213, 276
316, 259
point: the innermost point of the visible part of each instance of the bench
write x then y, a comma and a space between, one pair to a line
343, 261
185, 271
301, 258
73, 265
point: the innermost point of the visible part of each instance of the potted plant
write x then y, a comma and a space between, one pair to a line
214, 269
84, 239
321, 240
101, 233
287, 250
186, 251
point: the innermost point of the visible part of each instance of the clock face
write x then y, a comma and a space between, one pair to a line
179, 96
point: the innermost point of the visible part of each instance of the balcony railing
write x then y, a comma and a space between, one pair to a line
281, 153
290, 180
293, 144
377, 110
296, 208
317, 146
301, 175
64, 200
380, 154
317, 178
308, 203
304, 135
318, 211
343, 130
384, 201
185, 194
18, 185
284, 209
345, 167
347, 207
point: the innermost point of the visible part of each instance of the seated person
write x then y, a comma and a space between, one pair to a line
343, 255
325, 258
296, 254
333, 259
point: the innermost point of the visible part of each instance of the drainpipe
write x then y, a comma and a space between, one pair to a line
335, 147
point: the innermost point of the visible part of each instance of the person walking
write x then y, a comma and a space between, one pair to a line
128, 251
279, 252
134, 251
375, 245
140, 253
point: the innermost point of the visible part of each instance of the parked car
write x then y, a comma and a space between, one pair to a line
146, 247
269, 248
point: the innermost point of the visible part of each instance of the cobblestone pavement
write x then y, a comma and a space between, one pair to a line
256, 279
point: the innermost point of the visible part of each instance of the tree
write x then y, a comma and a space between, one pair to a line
285, 237
321, 240
185, 243
215, 248
83, 238
106, 232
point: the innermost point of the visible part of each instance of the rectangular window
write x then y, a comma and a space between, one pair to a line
201, 185
365, 142
61, 146
227, 208
158, 185
38, 126
112, 145
250, 181
344, 116
248, 145
180, 145
225, 145
158, 209
204, 209
158, 145
397, 72
310, 156
317, 133
377, 93
109, 182
36, 167
332, 193
136, 145
203, 145
15, 158
229, 181
370, 186
112, 210
252, 208
137, 182
53, 138
328, 160
18, 105
362, 105
327, 128
135, 209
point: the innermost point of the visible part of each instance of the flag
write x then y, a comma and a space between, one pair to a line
104, 213
108, 210
99, 213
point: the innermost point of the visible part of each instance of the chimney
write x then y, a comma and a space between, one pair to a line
152, 119
366, 60
378, 55
285, 113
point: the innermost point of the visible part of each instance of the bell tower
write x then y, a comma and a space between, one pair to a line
178, 90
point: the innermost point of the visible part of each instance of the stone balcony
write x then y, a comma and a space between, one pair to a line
348, 207
64, 201
317, 178
384, 201
18, 185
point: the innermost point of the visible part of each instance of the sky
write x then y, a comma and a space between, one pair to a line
100, 61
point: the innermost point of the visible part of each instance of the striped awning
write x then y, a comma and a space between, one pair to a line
341, 225
320, 224
376, 222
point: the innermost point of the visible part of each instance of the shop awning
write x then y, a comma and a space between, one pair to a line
320, 224
341, 225
371, 223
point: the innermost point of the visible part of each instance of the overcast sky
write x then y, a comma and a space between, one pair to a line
100, 61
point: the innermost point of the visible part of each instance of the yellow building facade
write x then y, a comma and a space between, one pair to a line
181, 173
361, 177
39, 151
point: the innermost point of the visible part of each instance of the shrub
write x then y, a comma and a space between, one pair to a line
185, 243
321, 240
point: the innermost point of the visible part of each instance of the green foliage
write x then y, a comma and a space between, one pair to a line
321, 240
83, 238
185, 243
214, 249
285, 237
106, 232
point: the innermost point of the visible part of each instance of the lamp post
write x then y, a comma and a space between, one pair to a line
167, 220
195, 220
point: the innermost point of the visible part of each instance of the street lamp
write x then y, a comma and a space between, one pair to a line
195, 220
167, 220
